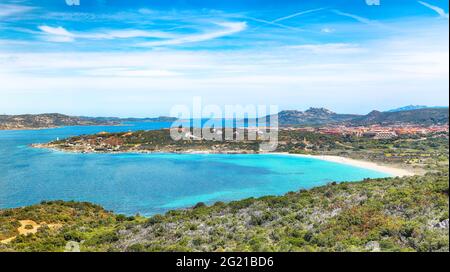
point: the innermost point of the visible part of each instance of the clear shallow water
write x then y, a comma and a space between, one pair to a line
149, 183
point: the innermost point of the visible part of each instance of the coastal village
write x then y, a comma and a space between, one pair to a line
384, 144
377, 131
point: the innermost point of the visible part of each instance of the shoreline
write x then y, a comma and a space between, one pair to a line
54, 127
186, 152
394, 171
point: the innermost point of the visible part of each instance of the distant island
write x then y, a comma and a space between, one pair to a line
53, 120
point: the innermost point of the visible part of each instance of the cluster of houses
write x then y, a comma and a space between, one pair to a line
223, 133
373, 131
376, 131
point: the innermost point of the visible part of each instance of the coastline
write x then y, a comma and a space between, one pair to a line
53, 127
133, 151
26, 128
394, 171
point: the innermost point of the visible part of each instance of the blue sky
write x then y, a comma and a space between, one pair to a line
139, 58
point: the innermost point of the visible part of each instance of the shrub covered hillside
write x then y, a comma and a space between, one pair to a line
385, 214
56, 223
395, 214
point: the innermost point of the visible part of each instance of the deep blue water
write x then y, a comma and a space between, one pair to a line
149, 183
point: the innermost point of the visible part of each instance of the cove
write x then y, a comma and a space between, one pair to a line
150, 183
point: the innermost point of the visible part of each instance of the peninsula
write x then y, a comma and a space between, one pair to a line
398, 154
54, 120
49, 120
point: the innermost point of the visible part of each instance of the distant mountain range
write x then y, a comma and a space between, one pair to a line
310, 117
426, 116
415, 107
321, 116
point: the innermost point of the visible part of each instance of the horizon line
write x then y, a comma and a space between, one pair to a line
163, 115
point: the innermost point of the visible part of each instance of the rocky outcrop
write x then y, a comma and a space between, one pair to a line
442, 225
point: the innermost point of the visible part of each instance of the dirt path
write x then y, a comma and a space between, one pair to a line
29, 227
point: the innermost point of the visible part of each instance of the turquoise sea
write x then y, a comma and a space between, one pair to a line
149, 183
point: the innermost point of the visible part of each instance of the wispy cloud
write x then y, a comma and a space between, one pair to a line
10, 9
276, 21
272, 23
146, 11
123, 72
297, 14
326, 30
336, 56
357, 18
229, 28
57, 34
437, 9
385, 70
60, 34
329, 48
164, 38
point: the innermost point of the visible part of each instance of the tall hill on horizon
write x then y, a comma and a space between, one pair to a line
321, 116
311, 117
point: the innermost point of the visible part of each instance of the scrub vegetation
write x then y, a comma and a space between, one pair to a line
392, 214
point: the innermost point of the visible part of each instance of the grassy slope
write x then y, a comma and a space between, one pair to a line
396, 214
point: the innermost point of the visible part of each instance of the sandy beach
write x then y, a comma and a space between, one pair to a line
396, 172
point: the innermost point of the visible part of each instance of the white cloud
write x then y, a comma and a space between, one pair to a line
438, 10
57, 34
121, 72
229, 28
146, 11
406, 68
327, 30
60, 34
9, 9
330, 48
403, 59
130, 33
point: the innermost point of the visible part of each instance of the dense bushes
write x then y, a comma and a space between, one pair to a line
397, 214
394, 214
